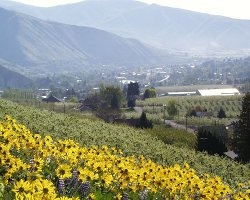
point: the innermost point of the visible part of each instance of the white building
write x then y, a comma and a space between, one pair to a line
181, 93
219, 92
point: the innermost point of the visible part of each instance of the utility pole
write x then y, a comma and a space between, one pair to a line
186, 122
164, 114
178, 108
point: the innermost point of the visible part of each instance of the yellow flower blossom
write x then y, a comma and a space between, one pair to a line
21, 188
39, 162
64, 171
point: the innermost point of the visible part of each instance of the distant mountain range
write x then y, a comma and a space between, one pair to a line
173, 29
49, 46
10, 79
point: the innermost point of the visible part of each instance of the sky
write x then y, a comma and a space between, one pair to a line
231, 8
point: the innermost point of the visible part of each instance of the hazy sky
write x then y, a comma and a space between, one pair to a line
231, 8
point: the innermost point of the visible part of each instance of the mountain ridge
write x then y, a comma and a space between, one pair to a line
11, 79
173, 29
29, 41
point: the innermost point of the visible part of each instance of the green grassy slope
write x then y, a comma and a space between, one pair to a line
131, 141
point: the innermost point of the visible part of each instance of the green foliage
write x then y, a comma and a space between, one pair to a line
232, 105
132, 141
1, 188
133, 89
144, 122
178, 138
171, 108
131, 102
112, 96
106, 104
115, 104
15, 94
132, 93
221, 113
241, 136
191, 113
149, 93
73, 99
208, 142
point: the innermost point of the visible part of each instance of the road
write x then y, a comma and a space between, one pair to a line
170, 123
179, 126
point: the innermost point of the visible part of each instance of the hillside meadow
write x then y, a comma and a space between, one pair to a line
35, 167
131, 141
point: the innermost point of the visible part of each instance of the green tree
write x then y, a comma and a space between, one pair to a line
144, 122
191, 113
133, 89
112, 96
115, 104
171, 108
132, 94
221, 113
109, 103
210, 143
241, 135
149, 93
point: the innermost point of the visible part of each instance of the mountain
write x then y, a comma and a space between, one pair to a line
10, 79
87, 13
182, 30
49, 46
173, 29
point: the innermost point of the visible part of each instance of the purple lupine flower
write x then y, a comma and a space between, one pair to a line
61, 185
85, 189
143, 195
32, 165
125, 196
73, 181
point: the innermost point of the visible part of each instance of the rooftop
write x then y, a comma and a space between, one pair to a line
219, 92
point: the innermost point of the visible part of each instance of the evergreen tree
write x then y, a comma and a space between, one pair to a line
241, 136
144, 122
221, 113
132, 93
131, 102
210, 143
133, 89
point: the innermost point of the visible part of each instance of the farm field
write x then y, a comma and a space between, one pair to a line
230, 104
